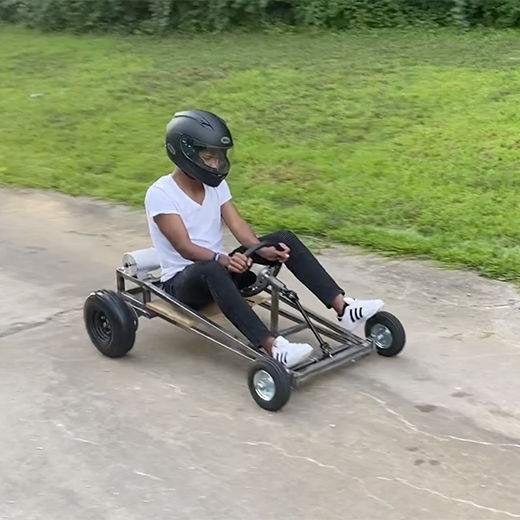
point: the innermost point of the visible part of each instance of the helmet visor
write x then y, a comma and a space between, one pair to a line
215, 160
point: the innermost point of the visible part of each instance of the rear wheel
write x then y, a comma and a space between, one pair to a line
387, 332
111, 324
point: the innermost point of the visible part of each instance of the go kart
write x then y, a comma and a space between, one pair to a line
112, 318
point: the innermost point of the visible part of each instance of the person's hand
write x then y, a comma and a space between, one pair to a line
273, 254
239, 263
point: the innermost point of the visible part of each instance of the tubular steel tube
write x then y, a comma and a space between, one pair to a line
329, 363
293, 330
275, 308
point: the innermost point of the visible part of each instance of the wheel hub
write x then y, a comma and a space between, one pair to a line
105, 325
381, 336
101, 327
264, 385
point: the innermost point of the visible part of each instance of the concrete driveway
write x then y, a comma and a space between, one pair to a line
171, 431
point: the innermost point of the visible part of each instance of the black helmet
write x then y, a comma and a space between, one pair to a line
192, 134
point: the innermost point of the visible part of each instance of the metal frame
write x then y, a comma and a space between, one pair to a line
351, 347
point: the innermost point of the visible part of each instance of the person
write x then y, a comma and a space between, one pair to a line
185, 210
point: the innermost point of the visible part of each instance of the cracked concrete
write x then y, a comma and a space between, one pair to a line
17, 327
172, 432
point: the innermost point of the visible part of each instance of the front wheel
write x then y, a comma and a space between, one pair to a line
387, 332
269, 384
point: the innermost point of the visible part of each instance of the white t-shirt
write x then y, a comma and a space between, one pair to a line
203, 221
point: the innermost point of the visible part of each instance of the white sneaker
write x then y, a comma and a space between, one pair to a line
290, 354
359, 311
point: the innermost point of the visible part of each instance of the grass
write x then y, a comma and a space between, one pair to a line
405, 143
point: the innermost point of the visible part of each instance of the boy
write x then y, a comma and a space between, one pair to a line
185, 210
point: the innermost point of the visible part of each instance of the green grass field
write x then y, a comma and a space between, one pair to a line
403, 142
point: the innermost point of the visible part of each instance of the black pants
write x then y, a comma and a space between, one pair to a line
204, 282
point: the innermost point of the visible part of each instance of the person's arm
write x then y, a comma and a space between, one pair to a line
245, 235
238, 226
173, 228
243, 232
165, 213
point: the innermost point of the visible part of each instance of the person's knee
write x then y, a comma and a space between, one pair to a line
286, 236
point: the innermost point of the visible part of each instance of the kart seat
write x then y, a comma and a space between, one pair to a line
212, 311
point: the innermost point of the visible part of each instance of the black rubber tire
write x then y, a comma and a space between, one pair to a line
396, 329
282, 381
110, 322
135, 316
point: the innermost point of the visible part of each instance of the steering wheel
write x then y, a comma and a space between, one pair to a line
258, 286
